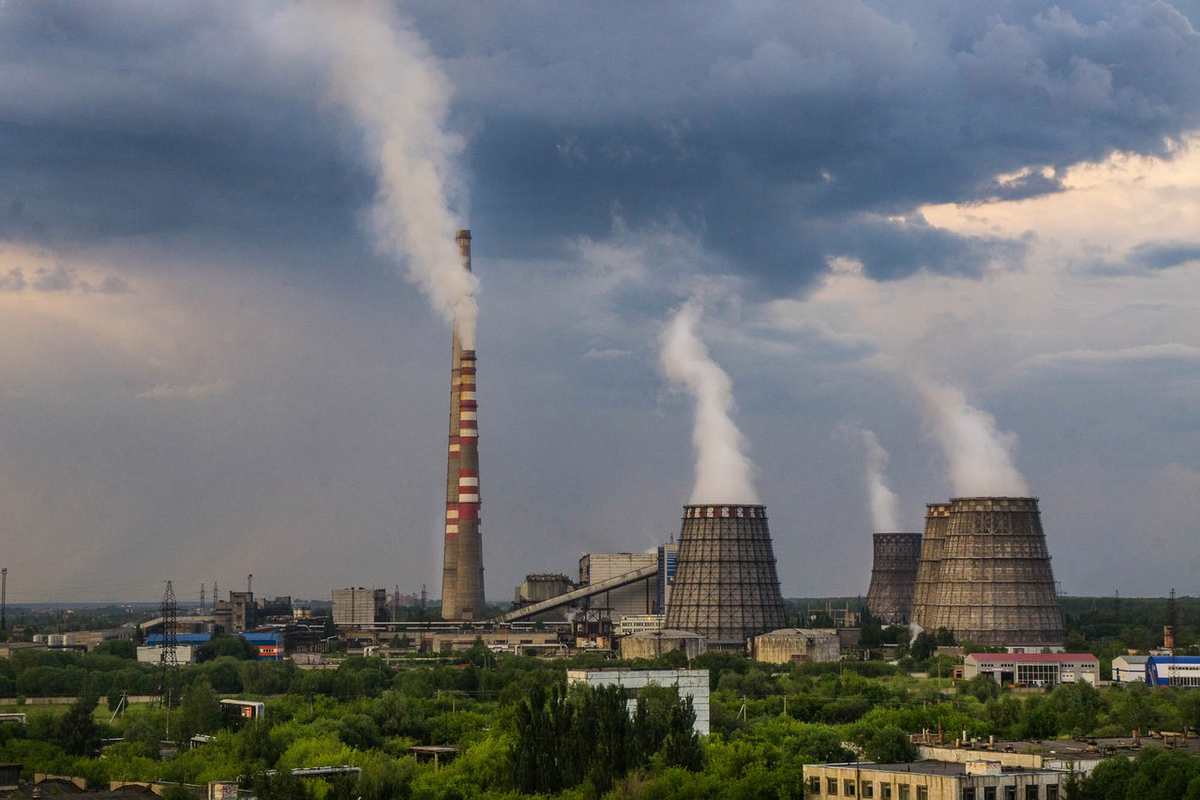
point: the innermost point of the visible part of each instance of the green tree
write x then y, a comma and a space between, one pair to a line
76, 732
890, 745
982, 687
199, 712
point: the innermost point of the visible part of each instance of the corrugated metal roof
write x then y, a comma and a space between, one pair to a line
1045, 658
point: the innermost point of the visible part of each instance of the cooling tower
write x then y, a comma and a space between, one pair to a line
995, 585
894, 576
462, 564
936, 516
726, 588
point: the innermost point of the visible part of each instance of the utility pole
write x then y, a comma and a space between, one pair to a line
4, 599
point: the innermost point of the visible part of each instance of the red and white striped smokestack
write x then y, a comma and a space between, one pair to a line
462, 564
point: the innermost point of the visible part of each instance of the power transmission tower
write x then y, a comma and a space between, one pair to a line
168, 658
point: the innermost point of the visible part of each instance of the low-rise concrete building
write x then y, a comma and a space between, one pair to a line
1033, 669
691, 683
932, 780
1129, 669
498, 641
791, 645
657, 643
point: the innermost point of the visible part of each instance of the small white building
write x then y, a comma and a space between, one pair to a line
691, 683
1033, 669
1129, 669
152, 654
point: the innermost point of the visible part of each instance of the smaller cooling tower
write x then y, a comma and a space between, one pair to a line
894, 576
995, 586
929, 567
726, 588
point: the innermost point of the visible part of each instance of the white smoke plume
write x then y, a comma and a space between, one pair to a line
381, 72
980, 456
723, 470
883, 500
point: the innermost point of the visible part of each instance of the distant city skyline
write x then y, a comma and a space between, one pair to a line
933, 249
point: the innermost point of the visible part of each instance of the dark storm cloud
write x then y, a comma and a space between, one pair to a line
1148, 258
781, 134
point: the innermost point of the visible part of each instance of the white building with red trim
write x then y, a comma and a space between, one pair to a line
1033, 669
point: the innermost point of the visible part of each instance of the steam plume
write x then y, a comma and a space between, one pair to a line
383, 75
883, 499
979, 456
723, 470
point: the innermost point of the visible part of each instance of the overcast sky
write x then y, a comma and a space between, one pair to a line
212, 366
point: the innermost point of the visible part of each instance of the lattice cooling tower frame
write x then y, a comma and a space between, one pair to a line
897, 558
995, 584
726, 585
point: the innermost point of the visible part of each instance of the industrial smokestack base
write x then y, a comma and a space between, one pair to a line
894, 576
991, 583
726, 587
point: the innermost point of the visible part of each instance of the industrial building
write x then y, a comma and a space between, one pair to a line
985, 574
462, 561
541, 586
359, 606
691, 683
634, 599
933, 780
269, 646
897, 557
1171, 670
726, 587
796, 645
656, 644
1033, 669
1129, 669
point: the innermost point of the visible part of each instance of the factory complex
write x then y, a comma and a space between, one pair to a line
980, 570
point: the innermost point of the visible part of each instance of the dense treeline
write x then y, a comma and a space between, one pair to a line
520, 730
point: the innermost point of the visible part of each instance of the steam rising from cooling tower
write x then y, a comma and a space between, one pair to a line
979, 456
382, 73
883, 500
723, 470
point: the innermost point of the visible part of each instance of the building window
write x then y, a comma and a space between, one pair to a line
848, 788
904, 792
885, 791
814, 785
1051, 793
968, 793
1031, 793
831, 786
1010, 793
989, 793
866, 789
922, 793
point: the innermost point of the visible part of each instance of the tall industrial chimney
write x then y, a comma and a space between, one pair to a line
462, 563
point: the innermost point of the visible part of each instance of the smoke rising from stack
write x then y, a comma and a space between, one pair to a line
723, 470
980, 456
382, 73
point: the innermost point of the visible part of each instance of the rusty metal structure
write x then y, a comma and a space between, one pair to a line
894, 576
992, 582
462, 562
726, 586
936, 517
